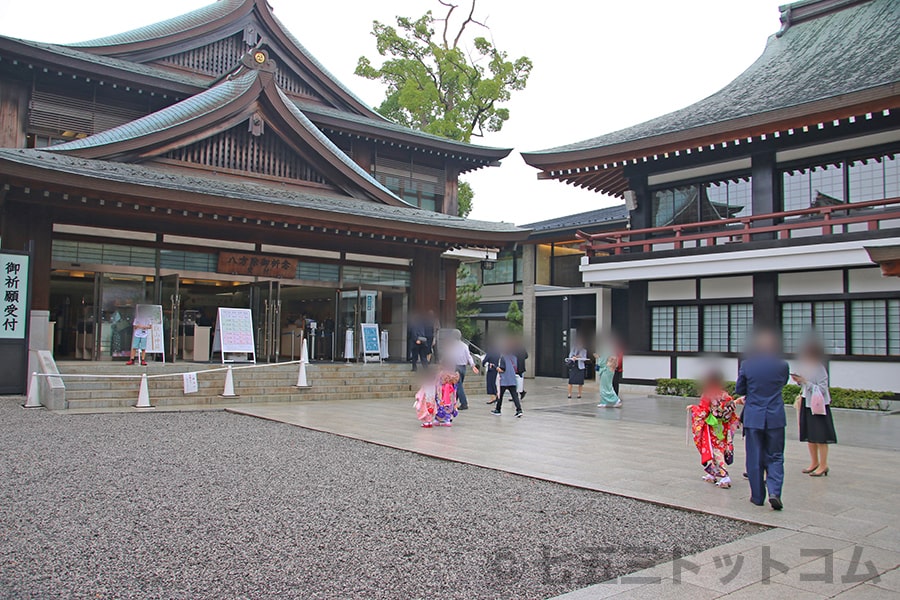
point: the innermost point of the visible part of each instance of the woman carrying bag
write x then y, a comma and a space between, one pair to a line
814, 415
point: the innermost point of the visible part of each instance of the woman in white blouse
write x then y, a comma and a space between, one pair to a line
817, 430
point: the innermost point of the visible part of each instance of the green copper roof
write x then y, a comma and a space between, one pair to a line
149, 176
195, 106
195, 18
850, 50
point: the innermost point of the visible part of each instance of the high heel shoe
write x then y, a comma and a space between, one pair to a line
822, 474
810, 470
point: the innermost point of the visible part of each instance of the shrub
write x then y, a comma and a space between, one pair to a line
840, 397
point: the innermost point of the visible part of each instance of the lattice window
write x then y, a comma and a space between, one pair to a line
238, 150
49, 111
216, 59
293, 84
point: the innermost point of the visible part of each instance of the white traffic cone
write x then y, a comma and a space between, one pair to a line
228, 392
33, 400
144, 394
301, 374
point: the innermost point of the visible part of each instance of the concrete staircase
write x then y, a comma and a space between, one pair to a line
270, 383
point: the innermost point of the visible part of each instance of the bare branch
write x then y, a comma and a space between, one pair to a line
447, 18
469, 19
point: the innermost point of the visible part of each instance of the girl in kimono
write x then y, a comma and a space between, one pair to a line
426, 399
606, 370
713, 423
447, 405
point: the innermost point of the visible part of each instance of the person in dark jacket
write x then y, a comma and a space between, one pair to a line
762, 376
417, 341
521, 357
490, 362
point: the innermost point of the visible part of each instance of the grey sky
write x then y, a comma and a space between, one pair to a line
599, 65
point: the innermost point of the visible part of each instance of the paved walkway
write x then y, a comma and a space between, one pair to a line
838, 536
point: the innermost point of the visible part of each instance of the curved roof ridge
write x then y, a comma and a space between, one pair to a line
838, 53
182, 112
190, 20
332, 147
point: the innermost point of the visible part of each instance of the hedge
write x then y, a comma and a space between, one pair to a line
840, 397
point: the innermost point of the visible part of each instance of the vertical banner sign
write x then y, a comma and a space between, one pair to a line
156, 343
14, 304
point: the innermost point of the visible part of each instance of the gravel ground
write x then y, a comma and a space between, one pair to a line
214, 505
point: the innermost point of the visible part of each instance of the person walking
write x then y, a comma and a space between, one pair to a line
620, 361
761, 378
458, 354
507, 369
816, 423
575, 362
489, 363
521, 357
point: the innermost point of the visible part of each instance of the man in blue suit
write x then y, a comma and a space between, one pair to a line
762, 376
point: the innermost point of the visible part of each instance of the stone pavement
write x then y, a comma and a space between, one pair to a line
838, 536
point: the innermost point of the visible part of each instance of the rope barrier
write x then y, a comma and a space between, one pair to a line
162, 375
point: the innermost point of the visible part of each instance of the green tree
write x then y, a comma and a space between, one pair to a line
464, 198
445, 82
468, 295
514, 318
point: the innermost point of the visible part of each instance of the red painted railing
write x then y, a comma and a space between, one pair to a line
741, 229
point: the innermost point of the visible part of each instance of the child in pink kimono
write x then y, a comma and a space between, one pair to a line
426, 400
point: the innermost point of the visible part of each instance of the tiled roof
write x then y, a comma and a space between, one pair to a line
196, 18
96, 59
849, 50
196, 106
581, 220
311, 108
152, 177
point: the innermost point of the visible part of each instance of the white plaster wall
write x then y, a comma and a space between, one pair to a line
810, 283
683, 289
727, 287
871, 280
646, 367
696, 367
879, 376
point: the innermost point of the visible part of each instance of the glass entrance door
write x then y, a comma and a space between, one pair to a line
264, 302
119, 295
170, 300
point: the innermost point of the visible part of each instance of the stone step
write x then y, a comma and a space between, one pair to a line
273, 390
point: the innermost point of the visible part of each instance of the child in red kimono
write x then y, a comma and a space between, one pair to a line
713, 423
447, 404
426, 399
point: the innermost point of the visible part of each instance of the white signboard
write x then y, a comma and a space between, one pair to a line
156, 341
371, 342
13, 296
234, 332
191, 386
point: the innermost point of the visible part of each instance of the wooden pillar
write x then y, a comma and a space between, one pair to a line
13, 114
448, 300
425, 281
765, 194
451, 191
765, 300
24, 223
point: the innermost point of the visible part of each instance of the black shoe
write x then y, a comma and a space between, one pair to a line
495, 412
775, 501
494, 401
519, 414
522, 395
466, 407
746, 476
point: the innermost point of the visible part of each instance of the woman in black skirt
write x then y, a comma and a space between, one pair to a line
575, 363
816, 430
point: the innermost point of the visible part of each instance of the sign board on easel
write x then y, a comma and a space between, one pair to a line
156, 340
234, 333
371, 342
